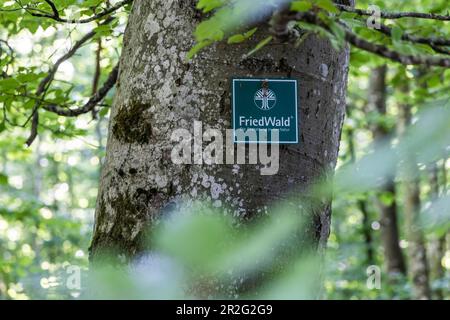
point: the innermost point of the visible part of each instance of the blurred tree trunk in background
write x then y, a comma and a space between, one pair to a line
395, 262
37, 170
158, 92
362, 206
418, 266
437, 243
447, 235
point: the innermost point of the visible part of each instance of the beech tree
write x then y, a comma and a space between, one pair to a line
176, 63
159, 92
389, 217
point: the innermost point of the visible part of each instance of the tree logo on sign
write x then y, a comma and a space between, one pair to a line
265, 99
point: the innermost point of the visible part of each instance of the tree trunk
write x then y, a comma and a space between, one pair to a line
389, 226
416, 246
437, 243
159, 92
362, 206
418, 265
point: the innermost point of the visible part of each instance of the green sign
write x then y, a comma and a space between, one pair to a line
260, 105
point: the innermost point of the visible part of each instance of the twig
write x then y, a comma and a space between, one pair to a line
394, 15
54, 9
363, 44
92, 102
55, 16
44, 84
384, 51
97, 72
434, 43
34, 128
4, 74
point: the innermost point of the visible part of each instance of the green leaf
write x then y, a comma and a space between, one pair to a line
339, 33
91, 3
28, 77
209, 30
301, 6
260, 45
397, 34
3, 179
184, 238
29, 104
327, 5
103, 112
8, 83
347, 15
238, 38
208, 5
387, 198
434, 81
104, 30
195, 49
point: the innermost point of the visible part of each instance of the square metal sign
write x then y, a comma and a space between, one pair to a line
261, 103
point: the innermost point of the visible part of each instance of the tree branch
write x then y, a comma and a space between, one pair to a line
363, 44
34, 128
44, 84
434, 43
55, 16
394, 15
54, 9
384, 51
92, 102
10, 56
68, 55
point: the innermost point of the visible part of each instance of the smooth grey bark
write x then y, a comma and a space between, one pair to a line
159, 92
394, 259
